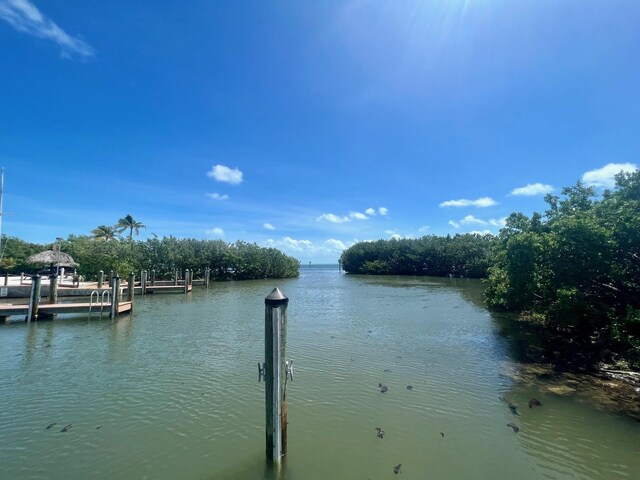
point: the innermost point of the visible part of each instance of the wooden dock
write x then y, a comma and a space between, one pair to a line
8, 310
167, 288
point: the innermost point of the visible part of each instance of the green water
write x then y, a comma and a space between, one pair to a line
171, 391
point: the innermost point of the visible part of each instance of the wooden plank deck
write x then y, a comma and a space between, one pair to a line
7, 310
167, 288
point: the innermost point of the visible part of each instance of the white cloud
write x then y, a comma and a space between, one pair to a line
268, 226
222, 173
389, 232
424, 229
26, 18
358, 216
532, 189
215, 232
481, 232
217, 196
471, 220
336, 244
370, 211
383, 210
480, 203
330, 217
500, 222
395, 236
307, 248
604, 177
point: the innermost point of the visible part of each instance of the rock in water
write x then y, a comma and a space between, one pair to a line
534, 402
66, 429
515, 427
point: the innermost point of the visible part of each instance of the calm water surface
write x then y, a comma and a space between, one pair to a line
171, 391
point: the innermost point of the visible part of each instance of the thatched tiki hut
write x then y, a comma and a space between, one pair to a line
54, 258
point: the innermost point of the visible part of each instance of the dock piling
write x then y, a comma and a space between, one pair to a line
100, 278
34, 299
186, 281
207, 275
153, 277
275, 372
53, 288
131, 285
115, 294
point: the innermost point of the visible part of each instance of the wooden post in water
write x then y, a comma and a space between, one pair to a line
143, 282
21, 277
186, 281
207, 275
34, 299
100, 278
53, 288
131, 285
175, 277
6, 278
153, 276
111, 276
275, 371
115, 294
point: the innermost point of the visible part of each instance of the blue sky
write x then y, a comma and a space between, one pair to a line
309, 125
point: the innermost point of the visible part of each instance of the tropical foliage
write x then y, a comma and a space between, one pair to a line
129, 223
576, 269
236, 261
460, 256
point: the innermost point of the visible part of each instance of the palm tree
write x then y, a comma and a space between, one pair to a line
104, 232
130, 223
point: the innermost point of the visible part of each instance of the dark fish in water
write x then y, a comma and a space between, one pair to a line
515, 427
409, 387
396, 469
50, 425
386, 370
534, 402
442, 433
380, 434
98, 427
66, 429
378, 429
383, 388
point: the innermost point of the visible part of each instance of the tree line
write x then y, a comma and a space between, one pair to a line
467, 255
227, 261
575, 270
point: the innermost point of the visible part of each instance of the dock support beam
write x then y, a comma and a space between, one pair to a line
186, 281
275, 340
115, 296
34, 300
100, 278
153, 277
53, 289
6, 278
207, 276
131, 285
175, 277
143, 281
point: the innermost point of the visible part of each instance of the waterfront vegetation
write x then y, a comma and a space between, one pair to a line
573, 272
227, 261
466, 255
